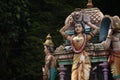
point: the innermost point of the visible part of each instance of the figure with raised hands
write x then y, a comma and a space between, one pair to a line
81, 62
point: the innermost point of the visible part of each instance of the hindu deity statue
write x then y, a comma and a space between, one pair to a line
50, 71
81, 62
114, 58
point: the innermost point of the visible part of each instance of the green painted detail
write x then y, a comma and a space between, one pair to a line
65, 62
116, 76
93, 60
69, 32
98, 59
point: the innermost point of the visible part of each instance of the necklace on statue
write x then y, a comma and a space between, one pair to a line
83, 45
77, 38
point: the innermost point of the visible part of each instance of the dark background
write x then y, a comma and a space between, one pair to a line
109, 7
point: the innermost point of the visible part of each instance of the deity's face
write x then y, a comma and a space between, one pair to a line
46, 50
70, 20
76, 15
78, 28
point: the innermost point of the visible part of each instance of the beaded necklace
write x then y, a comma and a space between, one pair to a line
83, 45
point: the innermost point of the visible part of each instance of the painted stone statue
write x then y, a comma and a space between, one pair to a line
95, 17
114, 58
109, 38
81, 62
50, 71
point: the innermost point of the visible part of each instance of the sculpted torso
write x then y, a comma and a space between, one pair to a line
116, 42
51, 60
77, 42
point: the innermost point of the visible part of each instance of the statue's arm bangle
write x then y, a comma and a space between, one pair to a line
92, 34
44, 74
109, 37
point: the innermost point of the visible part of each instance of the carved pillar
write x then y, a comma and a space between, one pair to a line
105, 70
62, 71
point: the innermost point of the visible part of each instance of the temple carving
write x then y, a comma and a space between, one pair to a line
103, 49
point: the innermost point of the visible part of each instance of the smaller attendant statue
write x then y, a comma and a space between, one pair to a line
50, 61
110, 43
114, 58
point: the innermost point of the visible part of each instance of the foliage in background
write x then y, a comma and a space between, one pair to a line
20, 52
24, 24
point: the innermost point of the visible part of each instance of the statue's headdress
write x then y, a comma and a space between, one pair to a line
49, 41
116, 22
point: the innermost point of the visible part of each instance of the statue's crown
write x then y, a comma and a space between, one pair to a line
49, 41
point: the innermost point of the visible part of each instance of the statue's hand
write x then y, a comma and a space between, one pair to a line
110, 32
71, 21
86, 18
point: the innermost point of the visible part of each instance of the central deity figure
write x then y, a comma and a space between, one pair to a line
81, 61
